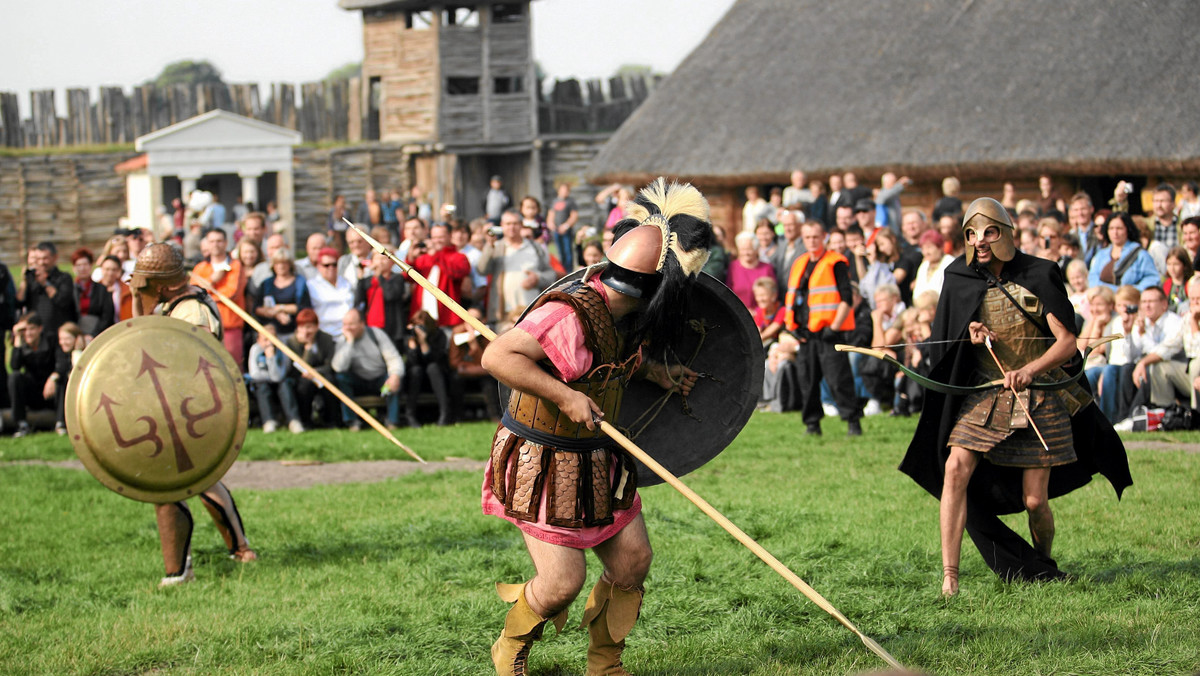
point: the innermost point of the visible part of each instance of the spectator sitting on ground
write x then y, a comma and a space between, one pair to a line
96, 310
747, 268
465, 356
427, 359
30, 369
1123, 261
367, 363
1157, 338
70, 348
768, 311
268, 374
1114, 387
316, 348
282, 295
330, 293
1101, 303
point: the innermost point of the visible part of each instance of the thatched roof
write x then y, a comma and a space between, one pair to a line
925, 87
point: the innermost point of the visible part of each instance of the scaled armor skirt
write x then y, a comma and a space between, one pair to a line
559, 496
992, 423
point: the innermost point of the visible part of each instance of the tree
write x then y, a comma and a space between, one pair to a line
189, 73
345, 72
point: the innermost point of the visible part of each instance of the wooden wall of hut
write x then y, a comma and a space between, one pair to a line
322, 114
566, 158
320, 174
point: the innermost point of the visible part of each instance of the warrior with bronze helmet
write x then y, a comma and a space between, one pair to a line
1008, 423
160, 280
552, 472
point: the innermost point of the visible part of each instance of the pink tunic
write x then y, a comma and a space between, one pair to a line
556, 328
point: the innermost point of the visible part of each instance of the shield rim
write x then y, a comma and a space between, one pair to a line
646, 477
87, 456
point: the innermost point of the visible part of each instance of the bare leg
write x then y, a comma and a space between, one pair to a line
1035, 484
560, 575
626, 556
221, 507
175, 534
959, 467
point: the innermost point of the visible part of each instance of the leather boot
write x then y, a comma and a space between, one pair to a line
609, 616
522, 626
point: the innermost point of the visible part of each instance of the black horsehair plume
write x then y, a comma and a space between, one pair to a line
687, 238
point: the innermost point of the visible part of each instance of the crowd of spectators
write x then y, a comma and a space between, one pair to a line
1130, 276
360, 321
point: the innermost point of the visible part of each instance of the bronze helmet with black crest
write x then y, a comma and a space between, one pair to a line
660, 247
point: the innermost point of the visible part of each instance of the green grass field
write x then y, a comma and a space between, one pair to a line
396, 577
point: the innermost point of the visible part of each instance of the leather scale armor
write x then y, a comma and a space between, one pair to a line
555, 454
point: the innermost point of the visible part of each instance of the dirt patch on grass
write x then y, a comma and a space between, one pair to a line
275, 474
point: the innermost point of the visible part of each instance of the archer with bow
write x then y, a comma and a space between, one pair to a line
1007, 423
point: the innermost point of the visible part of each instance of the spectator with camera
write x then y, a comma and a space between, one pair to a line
356, 264
32, 366
268, 372
316, 348
519, 269
426, 359
383, 299
441, 263
367, 362
46, 290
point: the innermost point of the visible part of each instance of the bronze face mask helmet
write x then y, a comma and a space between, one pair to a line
988, 221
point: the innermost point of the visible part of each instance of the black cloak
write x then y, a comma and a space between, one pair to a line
993, 489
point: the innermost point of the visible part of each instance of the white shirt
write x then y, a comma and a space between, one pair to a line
925, 281
1163, 338
331, 303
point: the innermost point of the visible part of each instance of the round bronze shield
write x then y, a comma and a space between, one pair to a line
157, 409
722, 343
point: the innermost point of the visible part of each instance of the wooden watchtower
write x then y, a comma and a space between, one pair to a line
455, 85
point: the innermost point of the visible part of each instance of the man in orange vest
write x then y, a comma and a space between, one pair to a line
818, 313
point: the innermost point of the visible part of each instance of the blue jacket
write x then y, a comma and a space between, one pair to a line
1141, 272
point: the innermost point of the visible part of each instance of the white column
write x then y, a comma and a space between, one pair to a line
285, 200
186, 185
250, 188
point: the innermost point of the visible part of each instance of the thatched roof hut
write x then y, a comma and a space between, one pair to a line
927, 88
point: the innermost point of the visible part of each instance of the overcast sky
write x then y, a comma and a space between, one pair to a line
68, 43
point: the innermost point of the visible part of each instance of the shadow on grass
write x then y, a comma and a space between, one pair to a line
1110, 571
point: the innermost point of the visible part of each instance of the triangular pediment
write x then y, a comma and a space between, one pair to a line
218, 129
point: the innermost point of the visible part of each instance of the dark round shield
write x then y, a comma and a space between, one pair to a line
156, 409
722, 343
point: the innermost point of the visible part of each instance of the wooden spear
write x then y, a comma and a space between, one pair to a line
370, 419
636, 451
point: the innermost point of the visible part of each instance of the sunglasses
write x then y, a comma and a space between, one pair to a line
327, 265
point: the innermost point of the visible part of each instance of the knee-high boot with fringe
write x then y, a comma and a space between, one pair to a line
522, 626
609, 616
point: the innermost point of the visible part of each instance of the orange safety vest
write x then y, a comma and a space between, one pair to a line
822, 298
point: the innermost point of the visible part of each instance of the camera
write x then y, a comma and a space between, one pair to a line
449, 208
495, 231
1128, 187
1131, 309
